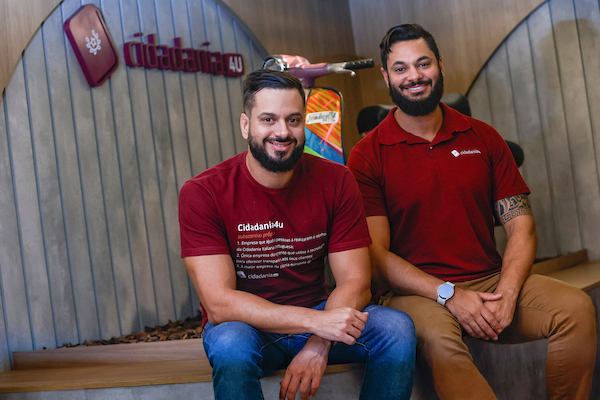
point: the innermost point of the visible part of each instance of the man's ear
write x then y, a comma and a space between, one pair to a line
441, 64
244, 125
386, 78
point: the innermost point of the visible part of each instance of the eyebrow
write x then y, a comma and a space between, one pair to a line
399, 62
270, 114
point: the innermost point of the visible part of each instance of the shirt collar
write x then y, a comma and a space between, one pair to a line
391, 133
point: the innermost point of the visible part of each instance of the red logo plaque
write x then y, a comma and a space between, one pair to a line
92, 44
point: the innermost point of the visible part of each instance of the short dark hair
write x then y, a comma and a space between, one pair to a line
264, 78
402, 33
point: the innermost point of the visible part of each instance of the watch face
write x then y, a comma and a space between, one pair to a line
445, 291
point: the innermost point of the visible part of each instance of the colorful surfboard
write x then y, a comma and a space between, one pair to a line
323, 124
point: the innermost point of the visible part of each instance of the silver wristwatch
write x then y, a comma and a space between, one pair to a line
445, 292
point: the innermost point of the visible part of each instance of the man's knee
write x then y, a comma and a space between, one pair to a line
577, 311
232, 344
392, 338
392, 323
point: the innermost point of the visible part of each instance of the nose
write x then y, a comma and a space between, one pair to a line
282, 129
414, 74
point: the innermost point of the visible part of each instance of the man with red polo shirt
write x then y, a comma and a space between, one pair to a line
432, 180
255, 230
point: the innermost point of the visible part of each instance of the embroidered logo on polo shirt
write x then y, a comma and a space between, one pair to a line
456, 153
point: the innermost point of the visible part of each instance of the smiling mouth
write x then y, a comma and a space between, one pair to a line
281, 145
416, 87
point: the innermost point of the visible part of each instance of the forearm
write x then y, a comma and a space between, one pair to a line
223, 303
518, 257
355, 294
236, 305
398, 275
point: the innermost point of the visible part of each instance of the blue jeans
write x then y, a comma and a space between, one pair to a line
241, 355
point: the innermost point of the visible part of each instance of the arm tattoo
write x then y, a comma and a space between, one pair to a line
511, 207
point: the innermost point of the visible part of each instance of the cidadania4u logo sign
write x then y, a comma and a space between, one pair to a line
99, 59
176, 58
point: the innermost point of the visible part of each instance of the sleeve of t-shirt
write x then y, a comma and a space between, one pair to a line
349, 225
202, 231
369, 183
507, 178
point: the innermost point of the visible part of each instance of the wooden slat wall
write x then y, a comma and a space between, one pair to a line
90, 177
467, 33
540, 90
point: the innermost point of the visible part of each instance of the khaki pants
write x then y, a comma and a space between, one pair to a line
546, 308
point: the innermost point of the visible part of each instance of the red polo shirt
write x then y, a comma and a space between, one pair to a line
438, 196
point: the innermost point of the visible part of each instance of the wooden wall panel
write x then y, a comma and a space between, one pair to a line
588, 23
143, 209
69, 177
53, 227
91, 176
17, 329
222, 102
91, 186
467, 32
552, 67
26, 196
205, 90
528, 132
174, 170
577, 112
109, 121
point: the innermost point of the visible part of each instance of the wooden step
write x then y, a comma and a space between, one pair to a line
585, 276
171, 350
118, 365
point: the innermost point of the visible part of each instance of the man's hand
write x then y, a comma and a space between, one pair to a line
306, 370
340, 325
503, 310
469, 309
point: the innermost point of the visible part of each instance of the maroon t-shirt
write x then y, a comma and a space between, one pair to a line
277, 238
439, 197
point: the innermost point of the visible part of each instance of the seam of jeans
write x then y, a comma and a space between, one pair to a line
364, 346
272, 342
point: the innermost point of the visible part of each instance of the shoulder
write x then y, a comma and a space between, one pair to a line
215, 177
325, 176
314, 166
476, 129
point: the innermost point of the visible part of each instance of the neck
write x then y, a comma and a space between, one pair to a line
268, 179
425, 127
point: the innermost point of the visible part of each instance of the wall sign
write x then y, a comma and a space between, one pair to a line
98, 57
92, 44
176, 58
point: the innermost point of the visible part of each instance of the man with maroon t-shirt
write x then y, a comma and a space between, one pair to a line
255, 231
431, 179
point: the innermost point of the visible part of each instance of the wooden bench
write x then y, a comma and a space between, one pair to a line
179, 369
130, 365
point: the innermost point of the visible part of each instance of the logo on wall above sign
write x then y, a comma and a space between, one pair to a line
92, 44
154, 55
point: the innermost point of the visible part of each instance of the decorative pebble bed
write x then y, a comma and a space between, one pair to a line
189, 328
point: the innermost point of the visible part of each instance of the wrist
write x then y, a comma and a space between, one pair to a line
319, 342
508, 293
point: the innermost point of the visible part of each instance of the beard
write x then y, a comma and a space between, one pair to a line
279, 163
419, 107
